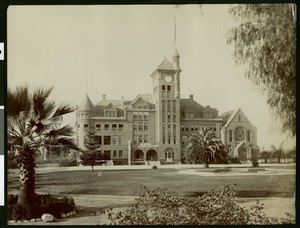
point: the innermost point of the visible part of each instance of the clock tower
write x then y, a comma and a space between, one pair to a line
166, 94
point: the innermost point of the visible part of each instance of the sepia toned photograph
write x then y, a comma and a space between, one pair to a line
151, 114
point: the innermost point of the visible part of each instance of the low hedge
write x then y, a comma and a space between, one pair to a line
43, 203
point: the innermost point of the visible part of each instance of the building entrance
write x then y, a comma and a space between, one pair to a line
169, 155
139, 155
243, 154
151, 155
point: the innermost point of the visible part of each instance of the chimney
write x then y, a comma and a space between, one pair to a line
103, 97
192, 97
122, 100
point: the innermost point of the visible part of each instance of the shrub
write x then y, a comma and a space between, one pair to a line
42, 204
65, 162
154, 167
216, 207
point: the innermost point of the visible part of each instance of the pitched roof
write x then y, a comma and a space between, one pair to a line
146, 97
165, 65
233, 114
116, 103
86, 104
186, 102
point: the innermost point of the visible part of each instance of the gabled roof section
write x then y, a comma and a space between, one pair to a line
86, 104
234, 113
144, 98
115, 103
110, 106
190, 103
165, 65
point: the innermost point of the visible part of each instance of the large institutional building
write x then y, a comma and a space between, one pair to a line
156, 127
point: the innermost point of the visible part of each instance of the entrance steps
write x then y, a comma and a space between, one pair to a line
152, 163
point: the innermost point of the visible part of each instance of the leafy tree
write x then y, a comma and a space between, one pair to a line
265, 155
277, 153
33, 123
292, 154
265, 42
90, 156
205, 147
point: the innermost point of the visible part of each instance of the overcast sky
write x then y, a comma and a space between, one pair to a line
123, 45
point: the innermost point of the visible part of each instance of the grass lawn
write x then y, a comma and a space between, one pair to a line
129, 183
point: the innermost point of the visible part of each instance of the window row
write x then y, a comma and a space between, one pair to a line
105, 127
82, 115
104, 140
195, 127
165, 88
137, 139
110, 113
168, 140
140, 115
141, 126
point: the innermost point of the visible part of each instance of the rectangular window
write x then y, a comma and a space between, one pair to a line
106, 127
120, 140
140, 139
187, 128
135, 116
146, 126
146, 139
114, 127
248, 135
145, 115
182, 127
98, 127
115, 140
114, 154
230, 136
107, 140
120, 153
120, 127
163, 88
85, 127
196, 128
192, 127
135, 124
135, 140
141, 116
140, 126
169, 88
215, 129
78, 125
97, 139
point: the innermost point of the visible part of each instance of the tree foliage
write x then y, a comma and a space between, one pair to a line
34, 123
265, 42
204, 147
91, 155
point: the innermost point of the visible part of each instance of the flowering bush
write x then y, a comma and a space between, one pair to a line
157, 207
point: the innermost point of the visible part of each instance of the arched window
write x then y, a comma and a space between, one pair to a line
239, 134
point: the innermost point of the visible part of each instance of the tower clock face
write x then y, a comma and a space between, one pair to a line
168, 78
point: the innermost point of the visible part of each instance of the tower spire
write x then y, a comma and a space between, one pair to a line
86, 75
175, 31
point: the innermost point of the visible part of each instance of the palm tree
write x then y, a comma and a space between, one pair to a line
204, 147
33, 123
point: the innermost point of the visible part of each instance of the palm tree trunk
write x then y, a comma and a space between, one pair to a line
27, 178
